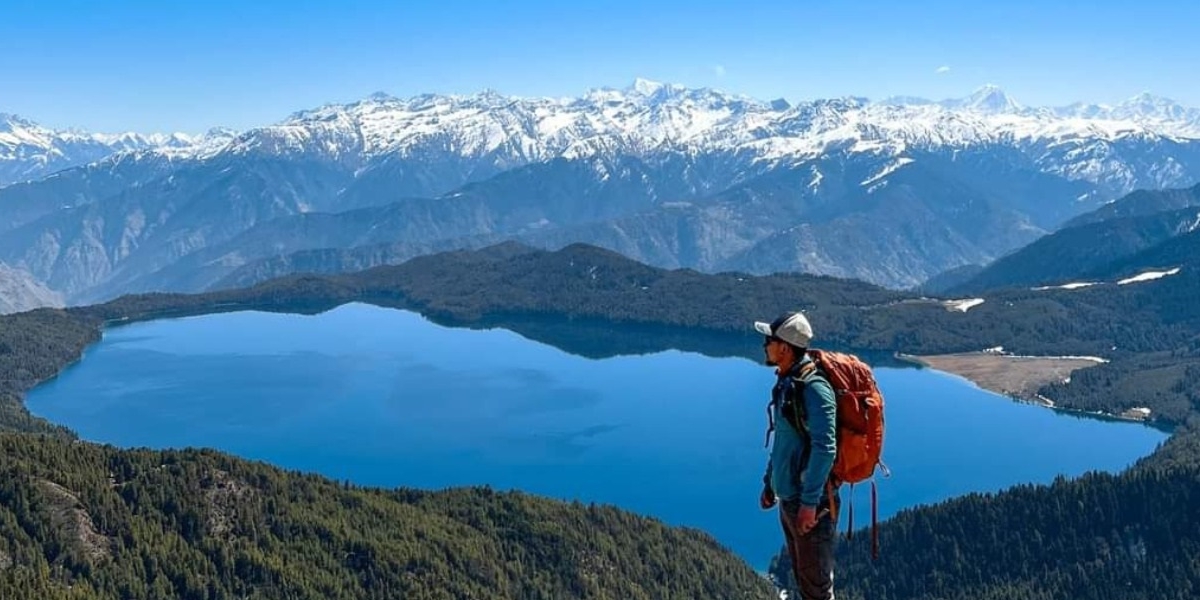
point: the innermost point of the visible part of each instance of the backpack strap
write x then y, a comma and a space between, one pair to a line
770, 422
800, 381
802, 377
808, 372
874, 522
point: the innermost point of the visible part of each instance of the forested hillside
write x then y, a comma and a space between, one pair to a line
85, 521
1129, 536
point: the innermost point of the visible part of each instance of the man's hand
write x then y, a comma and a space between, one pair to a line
806, 519
767, 499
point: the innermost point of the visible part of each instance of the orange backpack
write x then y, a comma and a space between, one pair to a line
859, 428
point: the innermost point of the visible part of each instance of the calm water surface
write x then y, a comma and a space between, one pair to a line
384, 397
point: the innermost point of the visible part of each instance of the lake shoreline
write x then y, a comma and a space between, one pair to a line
1019, 377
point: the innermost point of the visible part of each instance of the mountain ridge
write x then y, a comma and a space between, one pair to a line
29, 151
676, 114
1088, 245
667, 174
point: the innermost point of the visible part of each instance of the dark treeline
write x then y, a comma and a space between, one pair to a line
85, 521
1099, 537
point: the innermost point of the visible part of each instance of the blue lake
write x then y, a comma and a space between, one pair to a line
385, 397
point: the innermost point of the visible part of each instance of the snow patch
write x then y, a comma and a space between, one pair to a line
999, 350
1148, 276
1048, 402
962, 305
1066, 286
816, 179
887, 170
1095, 359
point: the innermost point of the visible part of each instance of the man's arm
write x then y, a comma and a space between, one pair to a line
821, 408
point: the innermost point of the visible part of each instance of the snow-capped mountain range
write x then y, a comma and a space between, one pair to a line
891, 191
29, 151
648, 118
640, 120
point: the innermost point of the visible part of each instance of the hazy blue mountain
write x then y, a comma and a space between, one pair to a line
1090, 243
892, 192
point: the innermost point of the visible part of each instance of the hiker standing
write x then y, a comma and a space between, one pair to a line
802, 457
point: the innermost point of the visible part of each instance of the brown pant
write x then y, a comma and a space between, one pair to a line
811, 553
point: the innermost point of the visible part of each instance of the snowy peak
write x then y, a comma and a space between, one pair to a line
992, 99
906, 101
646, 87
646, 93
10, 123
30, 151
989, 99
1083, 110
983, 174
220, 132
185, 147
18, 131
647, 117
644, 119
633, 120
1145, 109
1148, 106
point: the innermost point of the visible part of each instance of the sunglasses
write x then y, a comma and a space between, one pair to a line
767, 341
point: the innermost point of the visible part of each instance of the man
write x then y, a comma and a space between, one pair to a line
802, 457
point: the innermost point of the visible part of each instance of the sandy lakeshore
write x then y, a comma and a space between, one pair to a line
1017, 376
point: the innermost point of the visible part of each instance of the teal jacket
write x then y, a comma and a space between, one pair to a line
801, 460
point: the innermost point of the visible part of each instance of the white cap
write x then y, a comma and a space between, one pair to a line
792, 327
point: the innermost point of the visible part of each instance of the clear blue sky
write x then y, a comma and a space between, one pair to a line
178, 65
